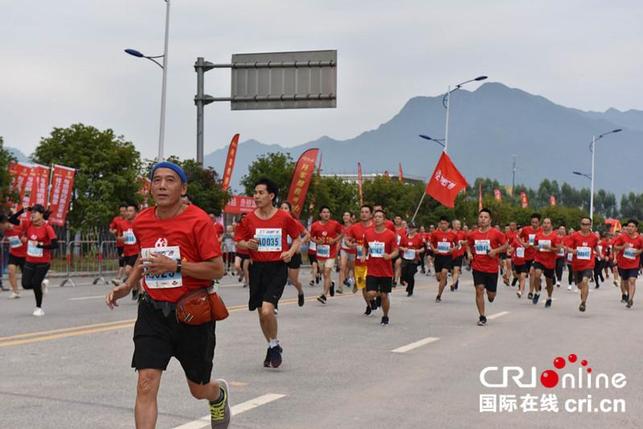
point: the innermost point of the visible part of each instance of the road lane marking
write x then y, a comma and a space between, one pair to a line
495, 316
84, 298
415, 345
235, 410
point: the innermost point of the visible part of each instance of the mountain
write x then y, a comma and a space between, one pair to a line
20, 157
487, 126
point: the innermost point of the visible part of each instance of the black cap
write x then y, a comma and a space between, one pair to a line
38, 208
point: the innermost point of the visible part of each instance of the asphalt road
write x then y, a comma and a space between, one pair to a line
71, 368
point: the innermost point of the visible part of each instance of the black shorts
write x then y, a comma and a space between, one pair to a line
578, 275
242, 256
295, 261
503, 256
312, 257
119, 251
549, 273
130, 260
157, 338
457, 261
121, 258
33, 274
379, 284
628, 273
267, 282
521, 269
17, 261
529, 263
488, 280
442, 262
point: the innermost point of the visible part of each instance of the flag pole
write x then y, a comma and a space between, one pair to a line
418, 208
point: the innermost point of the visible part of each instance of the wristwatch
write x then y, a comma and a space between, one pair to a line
178, 265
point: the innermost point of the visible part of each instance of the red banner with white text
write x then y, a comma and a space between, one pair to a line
62, 190
446, 182
301, 178
229, 162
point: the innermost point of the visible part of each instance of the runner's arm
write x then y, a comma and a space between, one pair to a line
14, 218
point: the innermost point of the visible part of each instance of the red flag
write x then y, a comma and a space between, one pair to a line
524, 201
359, 183
20, 174
36, 186
62, 188
497, 194
445, 182
552, 201
301, 178
401, 174
229, 162
479, 196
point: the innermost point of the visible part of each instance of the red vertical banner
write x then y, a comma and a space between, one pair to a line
479, 196
301, 178
552, 201
401, 173
497, 194
62, 189
524, 201
145, 190
20, 174
229, 162
40, 187
359, 183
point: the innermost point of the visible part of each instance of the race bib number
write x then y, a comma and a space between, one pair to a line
532, 239
520, 252
543, 245
409, 254
376, 249
570, 257
360, 251
14, 242
628, 253
312, 245
165, 280
482, 247
444, 246
269, 239
583, 253
129, 238
399, 238
561, 251
323, 251
33, 250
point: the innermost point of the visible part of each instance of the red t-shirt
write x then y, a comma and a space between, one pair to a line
357, 232
190, 236
625, 259
443, 242
400, 233
459, 248
219, 228
546, 257
345, 247
480, 242
379, 243
584, 245
16, 247
115, 224
324, 233
561, 246
528, 235
270, 233
414, 245
518, 251
126, 230
39, 234
389, 225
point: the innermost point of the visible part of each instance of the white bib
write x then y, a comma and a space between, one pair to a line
312, 245
543, 244
520, 252
532, 239
33, 250
323, 251
360, 251
165, 280
444, 246
129, 238
482, 247
14, 242
409, 254
583, 253
376, 249
269, 239
628, 253
570, 257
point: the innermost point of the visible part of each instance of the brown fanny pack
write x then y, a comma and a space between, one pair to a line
200, 306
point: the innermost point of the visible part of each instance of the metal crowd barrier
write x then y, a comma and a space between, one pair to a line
89, 258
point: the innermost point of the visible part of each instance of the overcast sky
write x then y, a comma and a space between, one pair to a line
63, 62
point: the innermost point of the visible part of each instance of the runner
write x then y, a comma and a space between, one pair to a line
443, 243
400, 233
295, 262
326, 233
113, 228
547, 242
5, 225
180, 252
412, 249
518, 264
599, 259
382, 248
569, 257
264, 233
17, 252
510, 233
483, 247
527, 238
228, 249
346, 257
314, 264
423, 234
242, 260
582, 245
628, 247
458, 253
613, 263
560, 255
356, 239
40, 239
125, 231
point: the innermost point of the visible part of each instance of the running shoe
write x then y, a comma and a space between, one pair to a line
368, 310
438, 299
318, 278
569, 288
14, 295
519, 294
312, 283
530, 295
557, 284
373, 304
378, 301
38, 312
384, 321
535, 298
581, 307
630, 303
116, 282
514, 281
548, 303
457, 283
347, 283
354, 288
322, 298
275, 356
266, 361
615, 283
452, 288
300, 300
332, 288
624, 299
482, 321
220, 410
409, 294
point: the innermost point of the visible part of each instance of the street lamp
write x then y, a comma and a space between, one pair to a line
163, 66
591, 149
438, 141
585, 175
447, 104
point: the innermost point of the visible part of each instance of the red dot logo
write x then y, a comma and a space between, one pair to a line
559, 362
572, 358
583, 362
589, 370
549, 378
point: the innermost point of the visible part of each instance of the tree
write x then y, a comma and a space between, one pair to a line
276, 166
107, 168
632, 206
5, 179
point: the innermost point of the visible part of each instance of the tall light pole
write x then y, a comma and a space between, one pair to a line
446, 103
592, 149
513, 174
163, 66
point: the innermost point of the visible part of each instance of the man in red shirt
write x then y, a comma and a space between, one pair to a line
628, 247
547, 242
527, 237
412, 249
346, 256
443, 243
17, 252
125, 232
180, 252
483, 247
113, 228
510, 233
326, 233
400, 234
242, 260
264, 232
583, 245
458, 253
382, 248
355, 239
519, 265
560, 255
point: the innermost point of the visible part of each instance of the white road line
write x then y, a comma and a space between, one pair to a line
237, 409
415, 345
495, 316
84, 298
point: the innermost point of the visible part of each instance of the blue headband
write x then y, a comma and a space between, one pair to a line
172, 166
